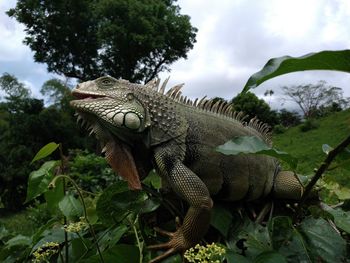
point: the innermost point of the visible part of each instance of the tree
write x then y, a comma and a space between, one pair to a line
288, 118
85, 39
17, 94
311, 97
12, 87
251, 105
58, 92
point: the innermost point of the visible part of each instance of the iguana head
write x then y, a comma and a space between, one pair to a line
117, 117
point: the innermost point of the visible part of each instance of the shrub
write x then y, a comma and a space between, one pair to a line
288, 118
91, 172
308, 125
279, 128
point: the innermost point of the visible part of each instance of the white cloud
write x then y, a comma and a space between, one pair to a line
235, 39
11, 35
292, 19
17, 58
11, 46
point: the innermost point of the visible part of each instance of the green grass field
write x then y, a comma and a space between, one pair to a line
307, 146
18, 223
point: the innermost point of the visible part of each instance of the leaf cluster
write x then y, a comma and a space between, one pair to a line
87, 227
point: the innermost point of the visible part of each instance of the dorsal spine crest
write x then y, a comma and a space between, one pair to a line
221, 108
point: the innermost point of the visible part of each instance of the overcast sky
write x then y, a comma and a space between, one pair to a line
235, 39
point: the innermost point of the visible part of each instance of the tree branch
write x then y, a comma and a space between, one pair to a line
330, 157
155, 71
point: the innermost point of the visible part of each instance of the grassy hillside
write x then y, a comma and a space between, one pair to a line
307, 146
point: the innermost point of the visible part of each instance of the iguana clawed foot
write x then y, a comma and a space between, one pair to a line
176, 244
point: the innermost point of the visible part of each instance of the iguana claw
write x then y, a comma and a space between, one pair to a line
173, 246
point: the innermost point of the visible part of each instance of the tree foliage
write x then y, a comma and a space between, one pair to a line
251, 105
310, 98
59, 93
12, 87
85, 39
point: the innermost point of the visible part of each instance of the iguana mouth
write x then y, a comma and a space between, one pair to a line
117, 153
79, 95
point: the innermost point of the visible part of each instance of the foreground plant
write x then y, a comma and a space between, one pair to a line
211, 253
44, 253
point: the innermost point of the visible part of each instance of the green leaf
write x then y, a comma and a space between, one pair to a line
45, 151
53, 235
43, 230
341, 217
53, 196
153, 179
79, 247
150, 205
257, 240
221, 219
324, 60
254, 145
117, 201
118, 254
173, 259
323, 241
4, 232
270, 257
70, 207
342, 159
40, 179
287, 240
342, 193
233, 257
111, 237
92, 215
19, 240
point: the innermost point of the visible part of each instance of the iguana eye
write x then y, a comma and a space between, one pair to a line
106, 82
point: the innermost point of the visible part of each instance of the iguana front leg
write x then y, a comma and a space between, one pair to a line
190, 188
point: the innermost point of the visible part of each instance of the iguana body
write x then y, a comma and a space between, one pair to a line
142, 128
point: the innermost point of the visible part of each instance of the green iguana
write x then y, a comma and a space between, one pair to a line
141, 127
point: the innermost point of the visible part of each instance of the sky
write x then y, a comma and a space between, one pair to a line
235, 39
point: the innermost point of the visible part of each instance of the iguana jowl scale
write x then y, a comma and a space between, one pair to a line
141, 127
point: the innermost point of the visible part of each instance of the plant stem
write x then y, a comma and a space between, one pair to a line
84, 209
330, 157
139, 245
89, 248
82, 240
63, 168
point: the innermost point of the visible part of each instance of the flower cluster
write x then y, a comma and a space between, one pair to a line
211, 253
43, 253
76, 227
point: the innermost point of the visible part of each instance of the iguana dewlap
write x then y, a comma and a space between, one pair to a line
141, 127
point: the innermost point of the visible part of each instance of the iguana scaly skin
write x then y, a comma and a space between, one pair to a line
141, 127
